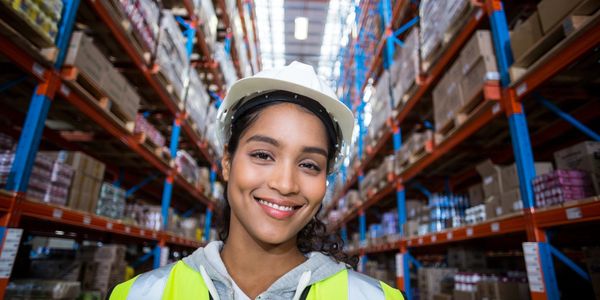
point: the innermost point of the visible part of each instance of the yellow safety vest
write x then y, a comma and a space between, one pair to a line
180, 282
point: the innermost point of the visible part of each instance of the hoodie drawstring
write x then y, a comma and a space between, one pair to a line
302, 284
209, 284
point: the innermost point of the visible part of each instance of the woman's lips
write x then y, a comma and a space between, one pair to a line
280, 212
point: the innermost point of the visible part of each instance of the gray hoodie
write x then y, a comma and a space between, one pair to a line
207, 261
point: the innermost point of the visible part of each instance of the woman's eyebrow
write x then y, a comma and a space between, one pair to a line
264, 139
316, 150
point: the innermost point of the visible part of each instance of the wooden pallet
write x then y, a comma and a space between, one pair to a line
554, 40
161, 151
168, 86
423, 150
462, 118
88, 87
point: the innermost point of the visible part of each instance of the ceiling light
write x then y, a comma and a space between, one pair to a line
301, 30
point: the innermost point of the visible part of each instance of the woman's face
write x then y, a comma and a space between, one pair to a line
276, 178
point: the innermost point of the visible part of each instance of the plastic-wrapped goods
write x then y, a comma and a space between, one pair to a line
143, 126
226, 64
171, 53
144, 215
416, 144
561, 186
217, 191
111, 202
197, 102
210, 22
144, 15
406, 68
189, 228
7, 143
380, 105
42, 289
186, 166
436, 19
476, 214
211, 133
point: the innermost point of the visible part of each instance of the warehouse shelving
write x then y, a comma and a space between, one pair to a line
52, 83
505, 97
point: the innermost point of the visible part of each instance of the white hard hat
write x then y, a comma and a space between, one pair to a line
297, 78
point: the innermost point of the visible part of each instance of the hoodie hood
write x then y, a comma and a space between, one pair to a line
317, 267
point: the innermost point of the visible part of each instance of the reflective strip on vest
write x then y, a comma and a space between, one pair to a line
180, 282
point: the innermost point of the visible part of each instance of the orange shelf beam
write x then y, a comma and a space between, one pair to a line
23, 60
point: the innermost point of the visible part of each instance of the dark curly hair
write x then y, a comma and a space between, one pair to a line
314, 236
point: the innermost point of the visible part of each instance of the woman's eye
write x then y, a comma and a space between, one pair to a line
310, 166
261, 155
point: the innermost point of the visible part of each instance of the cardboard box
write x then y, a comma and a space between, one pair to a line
584, 156
464, 295
493, 207
476, 196
86, 57
442, 297
447, 95
510, 176
472, 82
80, 162
504, 290
491, 178
478, 47
552, 12
511, 201
525, 35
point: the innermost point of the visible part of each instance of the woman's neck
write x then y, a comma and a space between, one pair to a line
254, 265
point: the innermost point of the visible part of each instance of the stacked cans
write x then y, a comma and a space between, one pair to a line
561, 186
446, 211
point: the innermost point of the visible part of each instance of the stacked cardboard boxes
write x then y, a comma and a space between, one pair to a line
475, 66
110, 266
501, 187
197, 102
144, 15
584, 156
87, 178
430, 281
406, 68
98, 70
561, 186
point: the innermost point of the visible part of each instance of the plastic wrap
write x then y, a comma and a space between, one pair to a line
42, 289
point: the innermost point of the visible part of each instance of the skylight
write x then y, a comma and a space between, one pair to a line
269, 19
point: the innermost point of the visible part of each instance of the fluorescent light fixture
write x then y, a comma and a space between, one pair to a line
301, 29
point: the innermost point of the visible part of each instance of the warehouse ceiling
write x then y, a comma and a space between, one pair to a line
326, 33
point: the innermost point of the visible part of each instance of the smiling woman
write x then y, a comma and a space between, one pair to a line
283, 132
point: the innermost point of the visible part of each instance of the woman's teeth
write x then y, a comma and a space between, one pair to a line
276, 206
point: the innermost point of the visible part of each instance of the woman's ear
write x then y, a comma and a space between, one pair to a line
226, 164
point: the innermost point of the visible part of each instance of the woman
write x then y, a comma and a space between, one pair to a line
283, 131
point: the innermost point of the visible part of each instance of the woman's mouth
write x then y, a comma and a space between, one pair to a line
277, 211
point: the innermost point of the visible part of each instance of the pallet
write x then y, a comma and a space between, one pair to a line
462, 118
168, 86
161, 151
425, 149
553, 41
85, 86
26, 37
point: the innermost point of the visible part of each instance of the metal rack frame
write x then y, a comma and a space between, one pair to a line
508, 97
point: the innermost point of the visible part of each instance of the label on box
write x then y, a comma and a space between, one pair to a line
399, 265
488, 180
521, 89
534, 268
495, 227
65, 90
9, 251
57, 213
37, 70
573, 213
